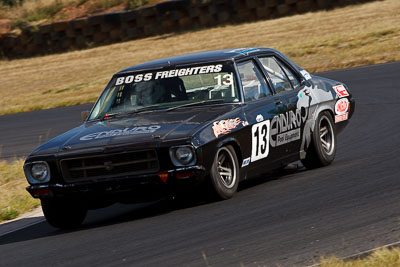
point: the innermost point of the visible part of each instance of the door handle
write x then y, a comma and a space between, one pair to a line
278, 102
307, 92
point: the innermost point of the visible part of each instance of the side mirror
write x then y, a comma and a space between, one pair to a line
85, 115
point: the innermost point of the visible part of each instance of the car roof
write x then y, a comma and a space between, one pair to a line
201, 57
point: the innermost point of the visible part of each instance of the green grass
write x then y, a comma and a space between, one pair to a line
14, 199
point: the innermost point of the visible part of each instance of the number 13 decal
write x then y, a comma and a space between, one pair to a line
227, 79
260, 140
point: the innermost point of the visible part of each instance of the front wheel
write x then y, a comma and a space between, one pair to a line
225, 173
63, 214
322, 149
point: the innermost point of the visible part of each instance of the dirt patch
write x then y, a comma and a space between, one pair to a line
90, 8
79, 11
5, 26
34, 12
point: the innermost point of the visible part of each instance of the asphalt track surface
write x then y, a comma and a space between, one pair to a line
21, 133
351, 206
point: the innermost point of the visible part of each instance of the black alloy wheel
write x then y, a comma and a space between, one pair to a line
225, 173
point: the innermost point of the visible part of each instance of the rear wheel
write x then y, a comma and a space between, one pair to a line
225, 173
322, 149
63, 214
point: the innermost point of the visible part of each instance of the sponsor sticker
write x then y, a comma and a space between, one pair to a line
243, 50
288, 137
259, 118
341, 106
343, 117
285, 127
340, 91
120, 132
245, 123
225, 126
168, 74
260, 140
246, 162
305, 74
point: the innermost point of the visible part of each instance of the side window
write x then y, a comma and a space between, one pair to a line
278, 77
293, 79
253, 82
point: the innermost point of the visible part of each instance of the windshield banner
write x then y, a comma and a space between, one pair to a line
168, 74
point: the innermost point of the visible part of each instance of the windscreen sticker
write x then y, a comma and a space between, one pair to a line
341, 106
244, 50
168, 74
340, 91
225, 126
226, 79
119, 132
305, 74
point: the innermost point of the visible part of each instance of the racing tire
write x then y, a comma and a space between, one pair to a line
322, 149
62, 214
224, 173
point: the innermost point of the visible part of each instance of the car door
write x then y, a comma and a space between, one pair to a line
260, 108
290, 88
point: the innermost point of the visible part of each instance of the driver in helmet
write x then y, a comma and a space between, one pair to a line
149, 93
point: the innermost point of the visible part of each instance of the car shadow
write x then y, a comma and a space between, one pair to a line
285, 172
120, 213
114, 214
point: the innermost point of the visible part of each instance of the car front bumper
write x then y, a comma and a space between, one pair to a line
136, 188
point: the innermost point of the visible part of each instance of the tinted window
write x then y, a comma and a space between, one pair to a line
293, 79
278, 77
253, 82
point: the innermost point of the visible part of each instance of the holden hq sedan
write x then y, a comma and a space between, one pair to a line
204, 120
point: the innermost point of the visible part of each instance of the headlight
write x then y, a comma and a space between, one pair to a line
37, 172
182, 155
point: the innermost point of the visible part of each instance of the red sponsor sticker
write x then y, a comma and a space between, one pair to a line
341, 106
340, 91
225, 126
343, 117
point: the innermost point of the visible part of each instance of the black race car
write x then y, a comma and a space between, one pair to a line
212, 118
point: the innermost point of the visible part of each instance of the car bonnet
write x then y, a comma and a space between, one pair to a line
146, 129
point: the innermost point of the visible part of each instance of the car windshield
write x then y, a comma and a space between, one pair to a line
167, 90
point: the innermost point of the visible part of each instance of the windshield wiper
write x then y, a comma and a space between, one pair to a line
196, 104
110, 116
118, 114
145, 108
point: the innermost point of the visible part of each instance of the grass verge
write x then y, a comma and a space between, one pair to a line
14, 199
382, 257
326, 40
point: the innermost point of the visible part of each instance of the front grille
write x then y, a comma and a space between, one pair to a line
110, 165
